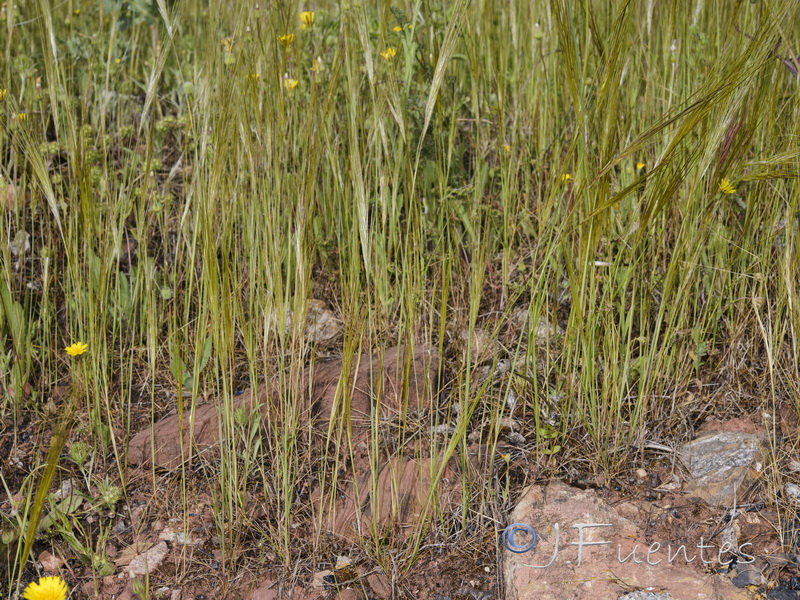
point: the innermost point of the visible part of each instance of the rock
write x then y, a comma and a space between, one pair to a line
65, 490
380, 585
299, 593
322, 580
201, 430
403, 487
483, 347
729, 536
587, 549
168, 534
747, 575
390, 365
127, 593
50, 563
322, 326
544, 329
168, 453
472, 593
88, 589
149, 561
782, 559
342, 562
267, 591
21, 243
782, 593
792, 492
737, 425
645, 596
724, 465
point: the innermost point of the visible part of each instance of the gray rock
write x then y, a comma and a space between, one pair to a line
723, 465
747, 575
793, 492
782, 593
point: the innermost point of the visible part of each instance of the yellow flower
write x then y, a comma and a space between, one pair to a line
3, 93
75, 350
505, 457
47, 588
318, 66
640, 166
397, 28
307, 18
566, 178
389, 53
118, 60
286, 39
290, 84
22, 116
726, 187
254, 76
507, 147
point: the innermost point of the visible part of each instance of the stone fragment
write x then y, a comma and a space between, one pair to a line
148, 561
266, 591
50, 563
380, 585
723, 465
792, 492
585, 549
782, 593
322, 326
322, 579
747, 575
127, 593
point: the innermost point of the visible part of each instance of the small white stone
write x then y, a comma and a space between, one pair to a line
793, 492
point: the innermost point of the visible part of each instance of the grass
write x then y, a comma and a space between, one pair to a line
170, 201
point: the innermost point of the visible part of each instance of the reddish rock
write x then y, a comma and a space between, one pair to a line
127, 593
267, 591
738, 425
570, 571
370, 376
50, 563
88, 590
299, 593
200, 430
403, 488
380, 585
378, 375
